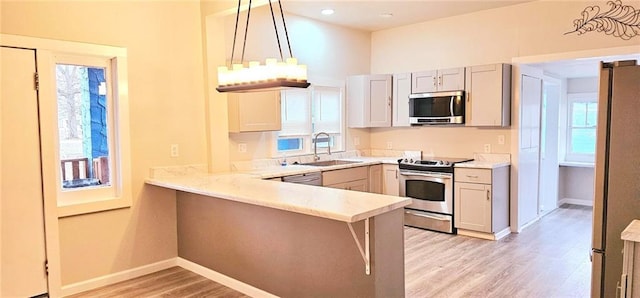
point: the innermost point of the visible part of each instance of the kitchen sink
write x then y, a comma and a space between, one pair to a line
327, 163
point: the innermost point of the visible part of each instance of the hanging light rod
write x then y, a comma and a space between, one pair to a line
255, 77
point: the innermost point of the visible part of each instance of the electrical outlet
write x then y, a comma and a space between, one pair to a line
356, 141
175, 150
389, 145
487, 148
242, 147
501, 139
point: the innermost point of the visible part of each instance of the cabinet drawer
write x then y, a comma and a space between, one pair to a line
473, 175
344, 175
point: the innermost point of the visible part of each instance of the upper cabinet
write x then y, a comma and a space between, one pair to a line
369, 101
488, 92
401, 91
438, 80
254, 111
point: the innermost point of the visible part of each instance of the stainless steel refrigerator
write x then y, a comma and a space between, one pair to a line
617, 171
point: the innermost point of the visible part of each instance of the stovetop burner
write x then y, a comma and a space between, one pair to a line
433, 164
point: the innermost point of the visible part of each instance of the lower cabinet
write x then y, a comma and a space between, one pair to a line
630, 281
349, 179
481, 202
390, 182
375, 179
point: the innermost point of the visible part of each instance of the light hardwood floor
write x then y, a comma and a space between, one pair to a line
548, 259
172, 282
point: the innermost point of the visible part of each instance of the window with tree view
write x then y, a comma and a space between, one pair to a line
82, 125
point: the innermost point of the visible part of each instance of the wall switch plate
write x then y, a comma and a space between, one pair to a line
487, 148
356, 141
389, 145
501, 139
175, 150
242, 147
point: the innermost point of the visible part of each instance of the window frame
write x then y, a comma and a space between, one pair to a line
85, 200
569, 156
307, 145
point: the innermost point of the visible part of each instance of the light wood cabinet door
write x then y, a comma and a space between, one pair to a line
344, 175
451, 79
357, 185
391, 182
488, 93
473, 207
375, 179
400, 108
369, 101
256, 111
424, 81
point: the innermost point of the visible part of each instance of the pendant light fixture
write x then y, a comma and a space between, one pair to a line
273, 74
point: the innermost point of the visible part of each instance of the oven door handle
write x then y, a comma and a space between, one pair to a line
430, 175
431, 216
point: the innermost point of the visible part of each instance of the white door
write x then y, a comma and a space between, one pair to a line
22, 237
549, 170
529, 144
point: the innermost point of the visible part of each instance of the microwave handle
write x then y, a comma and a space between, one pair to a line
451, 106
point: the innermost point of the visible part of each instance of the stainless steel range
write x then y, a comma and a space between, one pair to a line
429, 183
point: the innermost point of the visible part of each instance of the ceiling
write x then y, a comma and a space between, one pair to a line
366, 15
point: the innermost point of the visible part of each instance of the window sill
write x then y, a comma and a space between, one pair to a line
73, 209
577, 164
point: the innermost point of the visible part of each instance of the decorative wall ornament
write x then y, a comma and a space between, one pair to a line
620, 20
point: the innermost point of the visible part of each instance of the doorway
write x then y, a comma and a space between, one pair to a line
22, 237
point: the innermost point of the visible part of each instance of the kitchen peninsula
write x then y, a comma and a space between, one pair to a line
291, 240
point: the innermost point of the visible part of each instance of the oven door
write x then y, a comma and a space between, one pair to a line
429, 191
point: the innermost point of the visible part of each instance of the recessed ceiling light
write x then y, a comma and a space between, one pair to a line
327, 11
386, 15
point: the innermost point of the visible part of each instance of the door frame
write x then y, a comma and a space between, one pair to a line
515, 223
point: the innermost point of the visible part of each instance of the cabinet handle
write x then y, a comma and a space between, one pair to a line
488, 195
389, 101
440, 80
396, 174
472, 176
434, 82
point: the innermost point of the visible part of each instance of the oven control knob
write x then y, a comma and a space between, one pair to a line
446, 163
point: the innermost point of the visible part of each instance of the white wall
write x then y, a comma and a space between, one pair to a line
165, 76
330, 52
576, 185
514, 33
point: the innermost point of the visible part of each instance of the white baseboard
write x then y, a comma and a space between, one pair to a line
575, 202
109, 279
223, 279
528, 224
487, 236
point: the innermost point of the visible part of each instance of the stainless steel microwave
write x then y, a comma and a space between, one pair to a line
436, 108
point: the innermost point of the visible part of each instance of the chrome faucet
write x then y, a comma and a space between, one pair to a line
315, 145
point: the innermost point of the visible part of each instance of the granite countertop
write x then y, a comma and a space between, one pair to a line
296, 169
487, 161
483, 164
330, 203
632, 232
